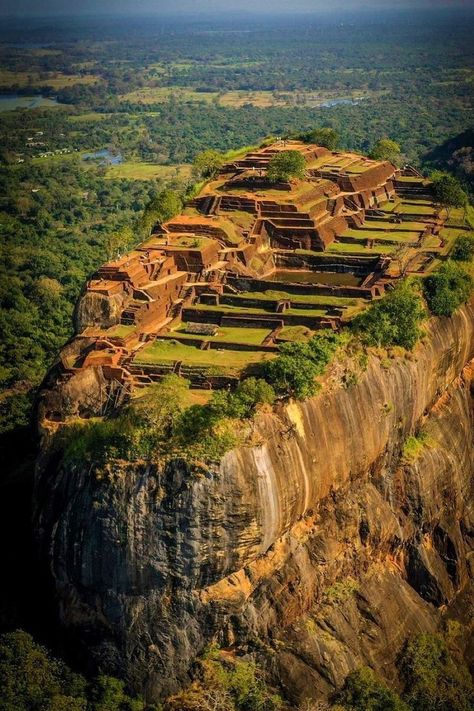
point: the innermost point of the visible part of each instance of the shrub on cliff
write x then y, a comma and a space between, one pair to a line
208, 431
160, 424
286, 165
107, 694
118, 242
30, 679
363, 691
447, 289
435, 677
159, 409
294, 371
249, 394
140, 430
204, 432
394, 320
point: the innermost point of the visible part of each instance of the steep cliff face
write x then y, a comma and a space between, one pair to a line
320, 548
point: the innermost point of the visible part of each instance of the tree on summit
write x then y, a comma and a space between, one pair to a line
386, 149
325, 137
208, 164
165, 205
449, 192
286, 165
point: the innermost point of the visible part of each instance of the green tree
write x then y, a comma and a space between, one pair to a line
326, 137
118, 242
207, 164
248, 395
163, 207
294, 370
386, 149
286, 165
449, 192
249, 690
363, 691
238, 686
447, 288
434, 677
30, 680
394, 320
464, 248
160, 408
108, 694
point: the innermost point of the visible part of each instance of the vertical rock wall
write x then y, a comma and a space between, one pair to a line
151, 565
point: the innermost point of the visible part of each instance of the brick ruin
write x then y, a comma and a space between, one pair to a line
251, 258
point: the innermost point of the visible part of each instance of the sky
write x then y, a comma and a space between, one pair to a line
52, 7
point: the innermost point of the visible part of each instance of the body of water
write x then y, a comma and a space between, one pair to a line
307, 277
105, 157
10, 102
340, 102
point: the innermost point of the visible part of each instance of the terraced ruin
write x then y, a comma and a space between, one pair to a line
251, 264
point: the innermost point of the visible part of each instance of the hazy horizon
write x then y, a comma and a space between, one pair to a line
38, 8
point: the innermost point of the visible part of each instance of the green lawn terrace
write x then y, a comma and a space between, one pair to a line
222, 335
414, 224
206, 368
412, 209
366, 235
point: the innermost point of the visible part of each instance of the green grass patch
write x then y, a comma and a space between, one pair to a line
341, 248
295, 333
254, 336
271, 295
389, 206
375, 225
59, 158
358, 168
405, 209
412, 179
135, 170
450, 235
380, 235
56, 80
171, 351
239, 152
229, 308
120, 331
341, 591
88, 116
459, 216
314, 313
243, 219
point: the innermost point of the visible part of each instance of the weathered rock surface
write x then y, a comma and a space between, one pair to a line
95, 309
320, 549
